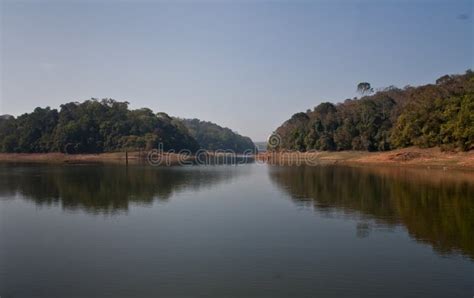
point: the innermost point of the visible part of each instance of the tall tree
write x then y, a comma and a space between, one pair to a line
364, 88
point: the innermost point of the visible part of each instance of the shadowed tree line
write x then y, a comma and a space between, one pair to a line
104, 189
214, 137
440, 114
432, 208
96, 126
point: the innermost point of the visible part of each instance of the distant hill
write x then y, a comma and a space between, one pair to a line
5, 117
261, 146
440, 114
211, 136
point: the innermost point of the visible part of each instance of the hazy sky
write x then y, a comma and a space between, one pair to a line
242, 64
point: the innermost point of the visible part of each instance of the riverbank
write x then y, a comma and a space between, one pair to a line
407, 157
112, 157
134, 157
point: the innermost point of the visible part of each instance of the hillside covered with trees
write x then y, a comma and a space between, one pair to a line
440, 114
96, 126
211, 136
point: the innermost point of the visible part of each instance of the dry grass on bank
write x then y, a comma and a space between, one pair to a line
410, 157
407, 157
113, 157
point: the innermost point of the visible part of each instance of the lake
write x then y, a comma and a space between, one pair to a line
235, 231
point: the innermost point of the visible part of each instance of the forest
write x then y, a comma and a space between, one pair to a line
440, 114
214, 137
96, 126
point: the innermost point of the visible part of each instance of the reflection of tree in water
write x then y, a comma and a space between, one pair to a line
437, 208
363, 229
105, 189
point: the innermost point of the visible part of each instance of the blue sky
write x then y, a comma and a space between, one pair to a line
247, 65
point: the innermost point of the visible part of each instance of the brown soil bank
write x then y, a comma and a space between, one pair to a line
134, 157
407, 157
114, 157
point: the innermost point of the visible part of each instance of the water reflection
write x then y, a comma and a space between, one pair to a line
434, 207
105, 189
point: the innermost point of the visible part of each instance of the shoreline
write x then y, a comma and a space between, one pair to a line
411, 157
131, 157
432, 158
63, 158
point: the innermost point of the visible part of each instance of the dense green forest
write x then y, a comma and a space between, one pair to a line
96, 126
211, 136
440, 114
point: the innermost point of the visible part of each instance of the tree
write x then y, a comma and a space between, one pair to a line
425, 116
211, 136
364, 88
93, 126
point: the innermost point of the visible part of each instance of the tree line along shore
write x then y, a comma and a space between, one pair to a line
433, 115
411, 157
104, 126
430, 125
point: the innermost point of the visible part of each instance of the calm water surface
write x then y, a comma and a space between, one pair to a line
235, 231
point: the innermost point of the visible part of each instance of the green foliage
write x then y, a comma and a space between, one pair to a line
211, 136
92, 126
106, 125
425, 116
457, 128
30, 132
438, 115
